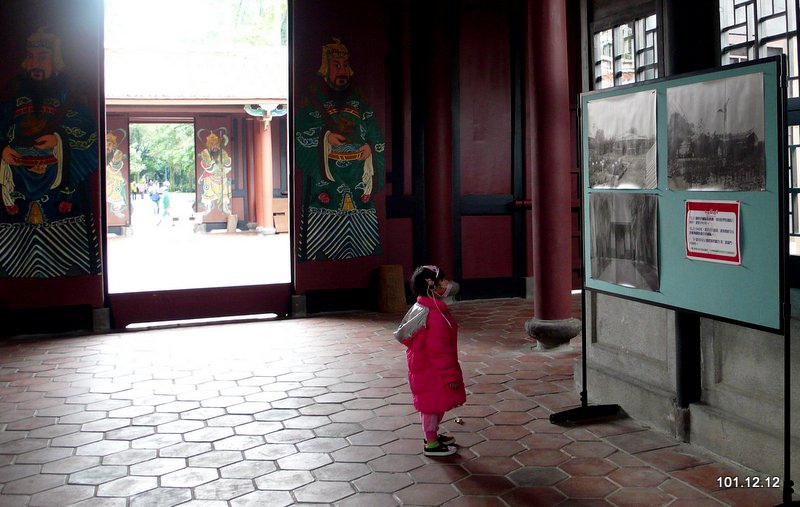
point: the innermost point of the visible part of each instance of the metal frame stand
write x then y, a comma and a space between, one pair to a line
585, 411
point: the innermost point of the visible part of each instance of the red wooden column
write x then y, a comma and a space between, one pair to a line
265, 132
263, 177
250, 127
439, 141
547, 155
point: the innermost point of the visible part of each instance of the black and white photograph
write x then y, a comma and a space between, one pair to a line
622, 141
624, 239
715, 135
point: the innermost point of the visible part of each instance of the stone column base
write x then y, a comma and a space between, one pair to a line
101, 320
550, 334
299, 305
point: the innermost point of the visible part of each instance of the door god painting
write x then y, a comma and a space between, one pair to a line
340, 153
214, 182
116, 180
48, 140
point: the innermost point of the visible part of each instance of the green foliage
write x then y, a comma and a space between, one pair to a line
260, 23
160, 151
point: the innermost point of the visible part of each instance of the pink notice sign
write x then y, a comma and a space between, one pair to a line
712, 231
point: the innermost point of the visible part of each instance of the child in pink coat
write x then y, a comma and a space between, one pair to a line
431, 334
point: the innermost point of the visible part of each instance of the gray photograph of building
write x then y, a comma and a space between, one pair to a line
715, 135
622, 141
624, 239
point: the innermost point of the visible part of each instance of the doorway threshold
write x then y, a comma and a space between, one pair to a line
144, 326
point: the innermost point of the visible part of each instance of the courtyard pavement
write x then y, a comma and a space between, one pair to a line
168, 253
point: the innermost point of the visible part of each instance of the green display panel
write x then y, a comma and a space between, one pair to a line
683, 200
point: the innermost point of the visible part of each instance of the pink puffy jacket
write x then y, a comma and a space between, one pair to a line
433, 361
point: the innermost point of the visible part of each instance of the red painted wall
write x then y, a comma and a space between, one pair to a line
487, 251
485, 89
80, 30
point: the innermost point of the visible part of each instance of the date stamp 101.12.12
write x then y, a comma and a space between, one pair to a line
748, 482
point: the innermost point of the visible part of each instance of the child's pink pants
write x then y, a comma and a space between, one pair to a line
430, 425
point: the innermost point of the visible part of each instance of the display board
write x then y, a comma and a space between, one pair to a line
684, 203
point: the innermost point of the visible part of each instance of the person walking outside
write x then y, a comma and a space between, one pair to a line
165, 211
155, 196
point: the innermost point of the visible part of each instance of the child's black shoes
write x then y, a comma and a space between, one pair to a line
439, 449
446, 439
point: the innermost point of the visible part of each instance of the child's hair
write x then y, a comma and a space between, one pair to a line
425, 277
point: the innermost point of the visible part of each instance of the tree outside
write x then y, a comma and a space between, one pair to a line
163, 151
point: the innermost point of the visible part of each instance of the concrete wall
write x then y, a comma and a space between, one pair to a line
631, 358
631, 362
741, 415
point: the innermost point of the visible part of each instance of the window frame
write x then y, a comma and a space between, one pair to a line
627, 16
754, 47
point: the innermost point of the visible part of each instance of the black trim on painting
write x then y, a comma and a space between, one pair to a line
400, 206
340, 300
519, 249
72, 319
395, 64
403, 206
418, 88
487, 204
454, 34
491, 288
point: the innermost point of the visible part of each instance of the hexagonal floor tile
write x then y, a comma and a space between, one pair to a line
189, 477
285, 480
98, 475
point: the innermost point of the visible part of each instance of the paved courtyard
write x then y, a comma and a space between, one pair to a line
316, 411
166, 254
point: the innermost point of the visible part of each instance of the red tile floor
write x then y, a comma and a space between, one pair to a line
317, 411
